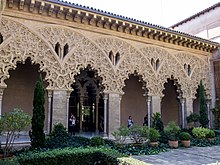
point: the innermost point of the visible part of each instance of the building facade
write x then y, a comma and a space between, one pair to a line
99, 66
206, 24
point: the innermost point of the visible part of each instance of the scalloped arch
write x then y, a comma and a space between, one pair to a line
83, 52
131, 61
20, 48
200, 71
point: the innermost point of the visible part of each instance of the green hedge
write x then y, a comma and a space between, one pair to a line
71, 156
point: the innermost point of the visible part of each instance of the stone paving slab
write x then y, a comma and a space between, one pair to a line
189, 156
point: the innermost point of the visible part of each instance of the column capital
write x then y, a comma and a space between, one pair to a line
68, 92
1, 91
49, 93
105, 96
182, 100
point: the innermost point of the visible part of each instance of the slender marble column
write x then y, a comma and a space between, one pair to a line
97, 114
182, 101
209, 113
149, 110
67, 106
105, 113
49, 95
80, 113
1, 97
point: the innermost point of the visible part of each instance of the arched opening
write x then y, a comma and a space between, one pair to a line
189, 70
170, 104
117, 58
57, 48
20, 88
152, 63
86, 101
133, 102
157, 64
1, 38
111, 56
65, 50
185, 67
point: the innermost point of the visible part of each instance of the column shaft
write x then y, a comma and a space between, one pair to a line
59, 107
156, 104
49, 93
105, 114
114, 113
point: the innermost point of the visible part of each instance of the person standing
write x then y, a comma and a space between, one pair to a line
130, 122
72, 124
145, 120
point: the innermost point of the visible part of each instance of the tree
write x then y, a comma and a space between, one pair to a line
157, 122
11, 123
203, 106
37, 135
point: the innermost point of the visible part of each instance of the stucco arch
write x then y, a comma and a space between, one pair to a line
131, 61
20, 48
168, 67
83, 52
199, 71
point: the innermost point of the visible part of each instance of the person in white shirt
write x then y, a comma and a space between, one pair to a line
72, 124
130, 122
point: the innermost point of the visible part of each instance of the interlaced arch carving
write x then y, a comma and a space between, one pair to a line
166, 66
131, 61
82, 52
199, 70
20, 48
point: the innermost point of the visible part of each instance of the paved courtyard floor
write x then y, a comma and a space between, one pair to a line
189, 156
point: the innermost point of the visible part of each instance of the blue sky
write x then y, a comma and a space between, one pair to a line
160, 12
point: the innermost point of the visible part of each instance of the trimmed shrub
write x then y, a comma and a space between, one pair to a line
200, 133
172, 130
121, 134
59, 138
185, 136
211, 134
73, 156
97, 141
153, 135
138, 133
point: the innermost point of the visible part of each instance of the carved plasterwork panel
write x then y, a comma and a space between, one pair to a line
25, 44
165, 67
131, 61
82, 52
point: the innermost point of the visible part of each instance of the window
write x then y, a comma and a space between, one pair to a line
117, 58
57, 48
1, 38
157, 64
111, 56
65, 50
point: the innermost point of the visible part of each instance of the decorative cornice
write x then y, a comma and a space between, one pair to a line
89, 16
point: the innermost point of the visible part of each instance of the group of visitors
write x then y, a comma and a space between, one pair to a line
131, 122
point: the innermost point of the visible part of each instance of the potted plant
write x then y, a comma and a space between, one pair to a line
191, 119
153, 137
210, 136
171, 131
12, 123
185, 138
138, 134
121, 134
200, 133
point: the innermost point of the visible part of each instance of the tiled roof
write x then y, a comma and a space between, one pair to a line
196, 15
131, 20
